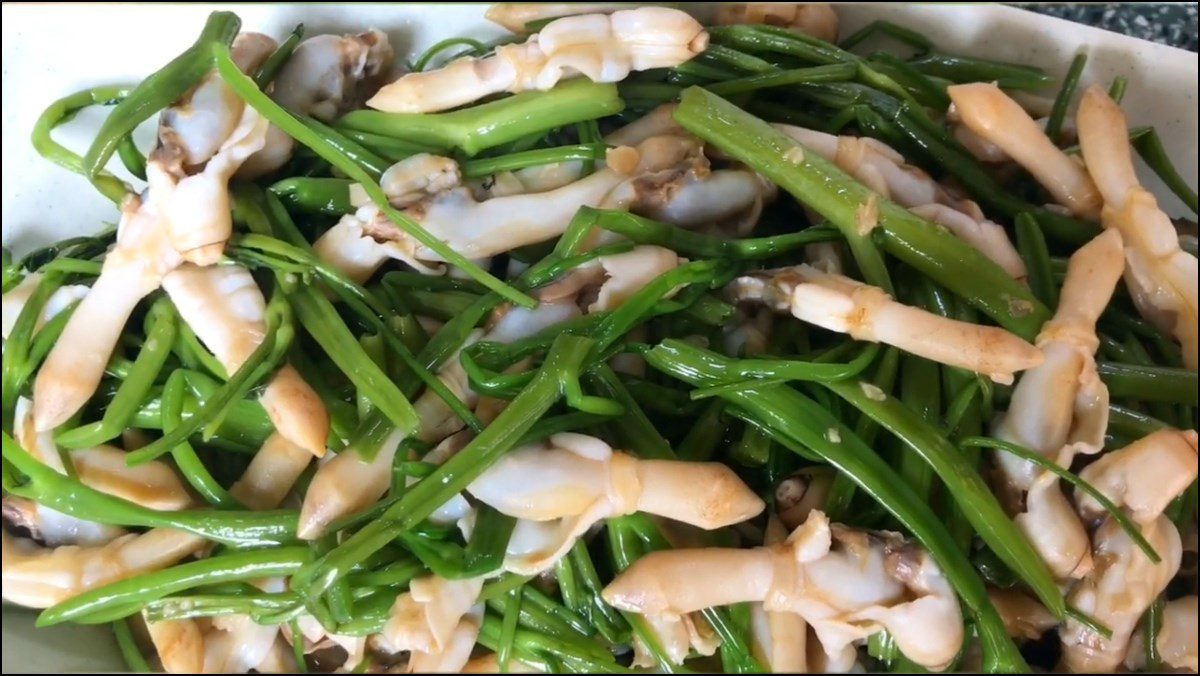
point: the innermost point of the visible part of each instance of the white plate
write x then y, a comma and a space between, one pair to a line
49, 52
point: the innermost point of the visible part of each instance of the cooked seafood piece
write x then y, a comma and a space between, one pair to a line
988, 112
16, 298
1060, 408
515, 16
780, 638
184, 216
664, 177
865, 312
325, 76
1117, 592
226, 309
561, 487
601, 47
1161, 276
1142, 478
437, 621
846, 584
39, 577
883, 170
811, 18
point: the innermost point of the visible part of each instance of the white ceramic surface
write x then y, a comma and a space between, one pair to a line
51, 50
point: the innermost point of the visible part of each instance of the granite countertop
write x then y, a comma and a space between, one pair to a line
1169, 23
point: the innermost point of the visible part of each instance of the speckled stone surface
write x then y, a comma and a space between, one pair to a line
1169, 23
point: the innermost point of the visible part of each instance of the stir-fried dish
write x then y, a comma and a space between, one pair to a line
623, 343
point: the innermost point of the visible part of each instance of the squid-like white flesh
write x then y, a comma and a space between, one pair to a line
517, 322
437, 620
514, 323
1062, 402
226, 644
49, 526
15, 300
72, 371
601, 47
197, 207
194, 128
563, 486
271, 473
296, 410
325, 76
1060, 408
825, 256
315, 637
179, 644
664, 176
1053, 527
516, 15
1023, 616
1125, 581
419, 617
236, 644
868, 313
346, 484
475, 229
986, 151
411, 180
846, 584
987, 237
658, 122
363, 241
360, 243
1117, 592
350, 482
484, 229
780, 639
153, 484
52, 527
1161, 276
799, 495
720, 196
457, 653
204, 139
986, 110
183, 217
529, 180
678, 637
416, 177
811, 18
844, 661
438, 421
982, 149
883, 170
225, 308
670, 179
1142, 477
38, 577
614, 278
1176, 641
627, 273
